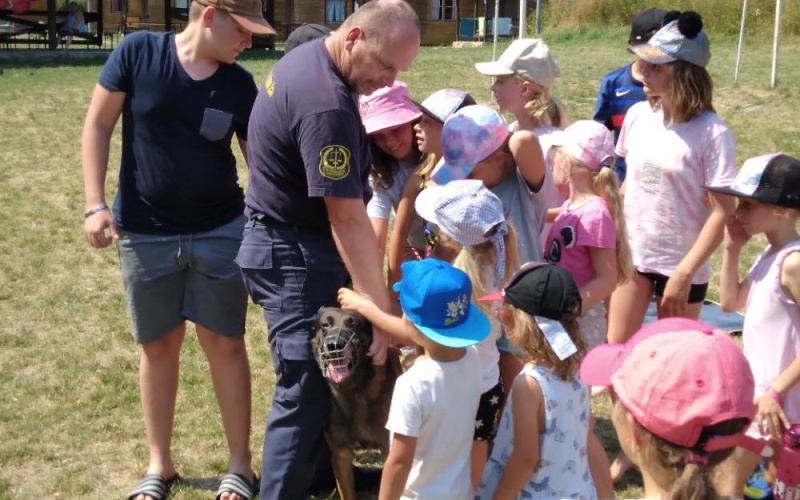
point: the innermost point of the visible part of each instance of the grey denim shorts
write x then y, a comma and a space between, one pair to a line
174, 278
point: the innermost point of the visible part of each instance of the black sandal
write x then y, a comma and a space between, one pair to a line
237, 483
154, 486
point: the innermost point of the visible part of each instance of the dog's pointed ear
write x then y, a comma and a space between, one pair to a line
318, 315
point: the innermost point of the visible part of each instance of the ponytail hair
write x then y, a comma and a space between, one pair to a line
606, 185
479, 263
542, 107
683, 473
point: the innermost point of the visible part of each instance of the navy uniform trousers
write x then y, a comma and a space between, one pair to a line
291, 274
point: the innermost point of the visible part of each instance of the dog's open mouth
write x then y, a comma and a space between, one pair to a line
338, 371
337, 354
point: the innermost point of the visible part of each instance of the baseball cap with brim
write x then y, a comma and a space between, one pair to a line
305, 33
669, 45
387, 107
437, 298
443, 103
678, 376
248, 13
772, 179
469, 136
540, 289
529, 58
645, 23
589, 142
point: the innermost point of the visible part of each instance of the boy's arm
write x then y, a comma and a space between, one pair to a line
397, 466
602, 107
397, 328
528, 155
404, 215
527, 401
732, 292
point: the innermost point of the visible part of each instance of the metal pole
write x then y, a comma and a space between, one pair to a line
538, 17
523, 17
494, 29
776, 41
741, 42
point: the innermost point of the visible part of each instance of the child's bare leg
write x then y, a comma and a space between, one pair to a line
627, 308
599, 466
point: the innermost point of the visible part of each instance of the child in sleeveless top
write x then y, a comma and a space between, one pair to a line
588, 238
768, 190
389, 118
431, 419
477, 144
540, 449
428, 133
469, 218
684, 398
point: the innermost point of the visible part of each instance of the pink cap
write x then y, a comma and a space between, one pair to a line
387, 107
589, 142
677, 376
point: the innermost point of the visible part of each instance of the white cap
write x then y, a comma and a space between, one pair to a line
589, 142
528, 58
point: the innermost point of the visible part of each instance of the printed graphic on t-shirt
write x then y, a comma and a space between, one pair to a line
568, 238
651, 177
334, 162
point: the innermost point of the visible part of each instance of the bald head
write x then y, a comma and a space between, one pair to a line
377, 15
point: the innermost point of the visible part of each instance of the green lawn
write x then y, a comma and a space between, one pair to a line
70, 421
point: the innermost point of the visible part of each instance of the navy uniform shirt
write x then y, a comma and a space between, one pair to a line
178, 173
305, 142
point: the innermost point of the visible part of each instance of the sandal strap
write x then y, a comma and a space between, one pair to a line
154, 486
237, 483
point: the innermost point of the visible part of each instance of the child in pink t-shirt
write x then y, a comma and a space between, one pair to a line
768, 189
588, 237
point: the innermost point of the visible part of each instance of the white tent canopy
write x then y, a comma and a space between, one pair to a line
775, 42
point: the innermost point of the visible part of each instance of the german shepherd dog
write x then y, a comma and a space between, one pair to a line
360, 392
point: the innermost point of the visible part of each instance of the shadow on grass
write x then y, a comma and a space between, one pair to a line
42, 58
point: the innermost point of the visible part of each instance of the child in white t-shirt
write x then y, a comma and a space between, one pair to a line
541, 446
469, 219
432, 416
768, 190
389, 117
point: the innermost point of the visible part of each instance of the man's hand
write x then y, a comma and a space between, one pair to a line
95, 228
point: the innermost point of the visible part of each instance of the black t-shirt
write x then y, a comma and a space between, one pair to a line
178, 173
305, 142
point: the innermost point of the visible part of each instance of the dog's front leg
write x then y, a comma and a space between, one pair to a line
342, 461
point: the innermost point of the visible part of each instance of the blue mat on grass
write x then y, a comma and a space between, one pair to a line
711, 313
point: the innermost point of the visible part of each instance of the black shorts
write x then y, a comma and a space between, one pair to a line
488, 413
697, 293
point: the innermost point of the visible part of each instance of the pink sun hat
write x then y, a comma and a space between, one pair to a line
387, 107
678, 376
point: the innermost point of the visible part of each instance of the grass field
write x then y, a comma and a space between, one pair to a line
70, 420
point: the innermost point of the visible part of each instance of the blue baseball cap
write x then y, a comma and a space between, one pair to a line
437, 298
670, 44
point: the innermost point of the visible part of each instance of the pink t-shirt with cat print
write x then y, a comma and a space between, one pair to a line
665, 205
